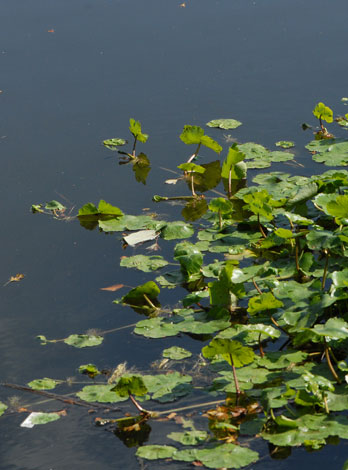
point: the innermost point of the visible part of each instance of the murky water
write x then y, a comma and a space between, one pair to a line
72, 73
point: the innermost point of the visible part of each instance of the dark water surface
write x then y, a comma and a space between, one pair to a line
263, 62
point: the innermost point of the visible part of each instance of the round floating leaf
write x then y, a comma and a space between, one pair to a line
176, 353
177, 230
323, 112
112, 144
221, 456
189, 438
241, 355
168, 387
3, 408
331, 152
156, 328
130, 385
143, 263
285, 144
224, 123
155, 452
83, 341
43, 384
100, 394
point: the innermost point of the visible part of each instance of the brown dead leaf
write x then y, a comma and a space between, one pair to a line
50, 31
171, 415
197, 463
22, 410
113, 288
61, 413
182, 5
18, 277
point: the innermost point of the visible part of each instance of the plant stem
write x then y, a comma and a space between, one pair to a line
260, 226
148, 300
192, 186
326, 405
220, 220
329, 363
136, 404
262, 354
134, 145
257, 287
235, 376
195, 154
230, 183
325, 270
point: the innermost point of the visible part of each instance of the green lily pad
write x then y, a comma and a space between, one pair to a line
177, 230
189, 438
155, 452
83, 341
100, 394
224, 123
43, 384
143, 263
114, 143
169, 387
220, 456
156, 328
176, 353
285, 144
331, 152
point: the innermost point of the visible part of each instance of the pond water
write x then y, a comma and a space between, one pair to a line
73, 73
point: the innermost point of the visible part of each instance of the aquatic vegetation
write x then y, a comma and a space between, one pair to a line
261, 277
